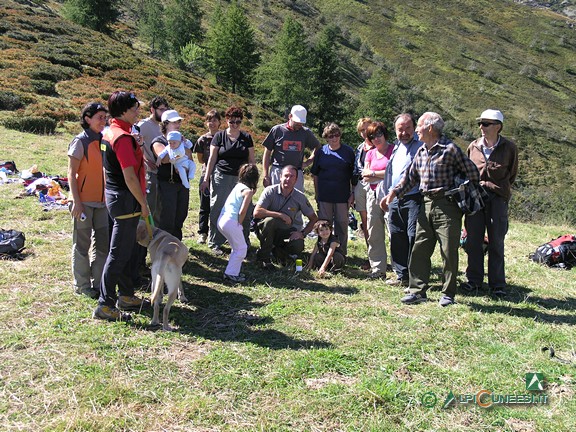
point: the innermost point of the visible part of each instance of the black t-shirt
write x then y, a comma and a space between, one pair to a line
166, 172
232, 154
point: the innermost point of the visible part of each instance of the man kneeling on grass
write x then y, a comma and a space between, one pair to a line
277, 208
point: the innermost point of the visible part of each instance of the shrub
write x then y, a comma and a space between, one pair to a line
53, 72
37, 125
10, 101
44, 87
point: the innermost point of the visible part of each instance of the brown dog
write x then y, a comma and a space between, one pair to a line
168, 255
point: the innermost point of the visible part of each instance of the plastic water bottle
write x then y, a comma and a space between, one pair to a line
298, 265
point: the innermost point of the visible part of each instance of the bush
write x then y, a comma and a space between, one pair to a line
10, 101
44, 87
37, 125
53, 72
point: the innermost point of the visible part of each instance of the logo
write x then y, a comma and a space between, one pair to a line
429, 399
534, 381
450, 399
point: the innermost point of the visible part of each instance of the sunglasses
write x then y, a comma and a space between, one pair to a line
333, 136
486, 124
235, 122
376, 135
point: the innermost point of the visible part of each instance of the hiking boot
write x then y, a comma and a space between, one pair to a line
131, 303
499, 292
414, 298
446, 301
109, 313
469, 287
202, 238
376, 275
217, 250
397, 282
235, 279
88, 292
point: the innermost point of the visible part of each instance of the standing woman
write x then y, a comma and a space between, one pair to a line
88, 208
361, 187
373, 173
229, 150
496, 158
332, 170
126, 201
202, 150
174, 197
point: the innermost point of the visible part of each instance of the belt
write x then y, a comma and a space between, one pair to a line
435, 195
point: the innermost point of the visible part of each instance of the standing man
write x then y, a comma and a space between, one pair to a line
435, 166
150, 129
126, 201
277, 207
402, 213
497, 160
285, 145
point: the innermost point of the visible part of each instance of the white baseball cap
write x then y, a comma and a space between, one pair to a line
491, 114
298, 113
171, 116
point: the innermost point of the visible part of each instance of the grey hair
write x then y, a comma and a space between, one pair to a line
331, 128
433, 119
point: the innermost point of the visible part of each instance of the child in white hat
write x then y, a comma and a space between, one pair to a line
176, 151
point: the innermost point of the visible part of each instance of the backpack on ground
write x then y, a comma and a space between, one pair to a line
11, 242
560, 252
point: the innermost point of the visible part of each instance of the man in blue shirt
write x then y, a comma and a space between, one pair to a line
402, 213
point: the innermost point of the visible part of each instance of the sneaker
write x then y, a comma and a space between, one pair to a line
446, 301
414, 298
88, 292
376, 275
110, 314
202, 238
131, 303
217, 250
469, 287
397, 282
236, 279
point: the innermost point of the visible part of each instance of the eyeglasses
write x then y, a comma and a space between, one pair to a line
235, 122
332, 136
486, 124
376, 135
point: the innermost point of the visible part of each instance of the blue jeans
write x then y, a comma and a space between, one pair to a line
402, 218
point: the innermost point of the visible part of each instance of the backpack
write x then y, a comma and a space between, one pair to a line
11, 242
560, 252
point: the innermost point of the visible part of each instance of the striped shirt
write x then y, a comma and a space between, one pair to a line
436, 168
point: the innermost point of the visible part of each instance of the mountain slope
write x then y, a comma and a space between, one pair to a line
454, 57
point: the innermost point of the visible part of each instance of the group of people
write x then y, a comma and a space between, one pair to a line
397, 187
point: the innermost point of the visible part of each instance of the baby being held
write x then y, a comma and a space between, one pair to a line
176, 151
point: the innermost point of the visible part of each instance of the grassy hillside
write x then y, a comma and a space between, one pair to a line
281, 353
455, 57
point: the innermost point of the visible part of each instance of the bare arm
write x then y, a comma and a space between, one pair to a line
251, 156
262, 213
77, 206
209, 168
266, 167
247, 194
312, 256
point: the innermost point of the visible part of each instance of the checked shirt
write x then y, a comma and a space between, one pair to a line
436, 169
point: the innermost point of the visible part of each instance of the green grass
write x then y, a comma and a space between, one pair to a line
284, 352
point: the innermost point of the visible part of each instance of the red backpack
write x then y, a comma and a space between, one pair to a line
560, 252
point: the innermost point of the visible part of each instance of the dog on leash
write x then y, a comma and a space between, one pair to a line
168, 255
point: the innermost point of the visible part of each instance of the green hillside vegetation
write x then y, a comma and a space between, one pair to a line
454, 57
